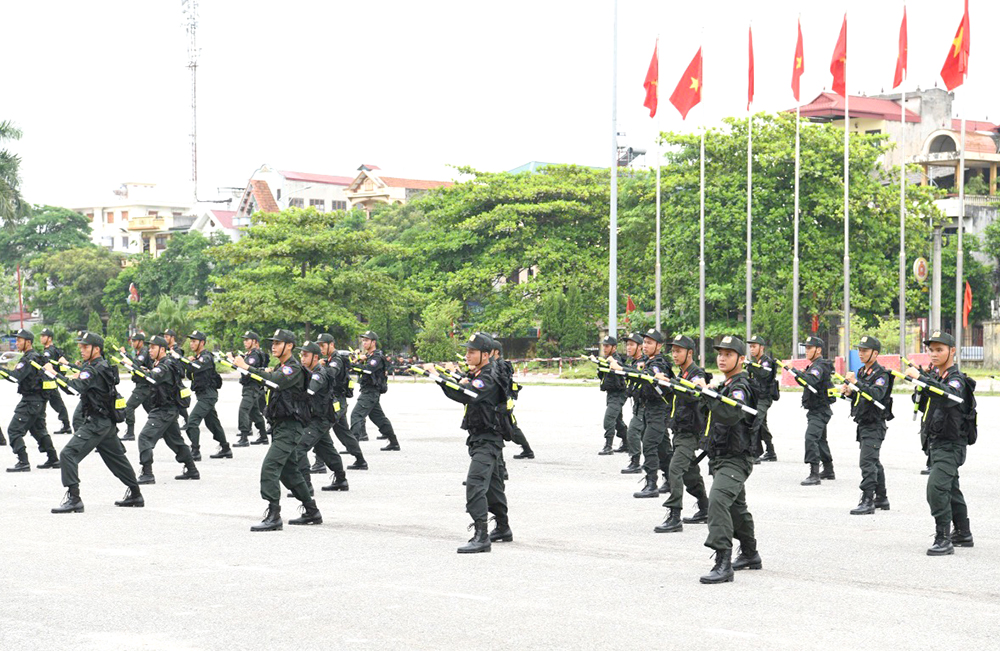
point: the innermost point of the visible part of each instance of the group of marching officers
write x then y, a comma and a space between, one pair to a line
727, 422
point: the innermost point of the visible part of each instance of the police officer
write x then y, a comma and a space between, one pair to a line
818, 412
871, 385
635, 359
763, 372
655, 443
373, 384
339, 369
505, 371
29, 415
141, 388
613, 384
171, 337
166, 398
731, 452
250, 411
205, 383
484, 485
52, 353
316, 434
288, 412
950, 427
95, 383
688, 426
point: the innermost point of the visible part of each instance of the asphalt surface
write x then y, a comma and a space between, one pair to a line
585, 569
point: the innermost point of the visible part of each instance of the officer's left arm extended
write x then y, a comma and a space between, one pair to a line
482, 385
729, 414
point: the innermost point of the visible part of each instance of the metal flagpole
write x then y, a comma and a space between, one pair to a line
847, 223
657, 124
902, 228
795, 245
959, 262
613, 226
701, 256
749, 225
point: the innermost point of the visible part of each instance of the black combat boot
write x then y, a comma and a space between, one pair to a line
260, 440
339, 483
271, 521
146, 477
650, 489
133, 498
22, 464
3, 441
318, 468
665, 486
65, 429
962, 536
866, 506
722, 572
501, 532
526, 453
310, 514
195, 453
813, 478
671, 524
701, 515
623, 447
225, 452
359, 463
926, 471
242, 442
190, 471
769, 456
363, 437
606, 450
827, 471
381, 437
52, 462
881, 502
393, 445
71, 502
480, 542
633, 467
129, 436
748, 559
942, 542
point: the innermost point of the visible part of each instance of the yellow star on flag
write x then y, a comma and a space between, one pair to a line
798, 62
694, 83
958, 41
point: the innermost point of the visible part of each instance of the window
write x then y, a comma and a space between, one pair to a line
279, 194
90, 216
125, 243
153, 213
296, 203
124, 215
111, 216
369, 186
873, 132
318, 204
161, 242
338, 205
176, 214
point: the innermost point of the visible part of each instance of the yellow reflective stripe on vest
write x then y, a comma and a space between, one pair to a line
336, 407
185, 392
119, 403
49, 384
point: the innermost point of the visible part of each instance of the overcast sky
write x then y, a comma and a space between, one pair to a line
101, 88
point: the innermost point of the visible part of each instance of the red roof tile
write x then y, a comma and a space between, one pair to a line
831, 105
317, 178
224, 217
413, 184
262, 195
974, 125
368, 166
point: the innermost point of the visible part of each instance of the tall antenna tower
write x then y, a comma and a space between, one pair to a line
190, 11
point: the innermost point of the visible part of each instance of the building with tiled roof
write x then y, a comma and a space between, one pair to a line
270, 190
370, 188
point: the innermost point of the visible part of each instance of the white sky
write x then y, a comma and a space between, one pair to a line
101, 88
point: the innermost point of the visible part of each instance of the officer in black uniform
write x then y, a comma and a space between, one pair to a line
288, 412
655, 444
171, 337
373, 384
613, 385
731, 451
52, 353
339, 369
250, 410
29, 415
316, 434
871, 385
687, 422
166, 398
141, 388
818, 412
950, 427
205, 383
635, 359
763, 372
484, 485
96, 383
505, 372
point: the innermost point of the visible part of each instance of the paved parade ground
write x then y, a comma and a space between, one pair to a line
585, 570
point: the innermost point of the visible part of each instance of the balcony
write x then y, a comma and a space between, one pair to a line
147, 223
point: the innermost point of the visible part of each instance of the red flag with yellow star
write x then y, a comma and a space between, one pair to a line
652, 82
956, 66
901, 57
799, 65
838, 64
687, 95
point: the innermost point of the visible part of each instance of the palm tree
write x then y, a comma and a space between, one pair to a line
13, 208
168, 314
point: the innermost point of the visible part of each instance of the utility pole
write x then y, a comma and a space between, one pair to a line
190, 10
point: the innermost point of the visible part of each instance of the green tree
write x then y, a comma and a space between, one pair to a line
13, 208
169, 314
94, 323
68, 285
437, 340
47, 229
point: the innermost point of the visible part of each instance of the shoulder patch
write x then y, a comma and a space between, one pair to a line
315, 376
815, 372
47, 354
374, 362
157, 369
956, 383
880, 382
141, 357
767, 365
20, 365
656, 369
739, 395
84, 375
287, 370
335, 363
479, 384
